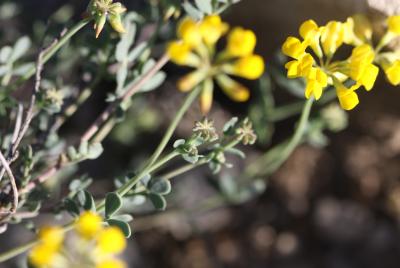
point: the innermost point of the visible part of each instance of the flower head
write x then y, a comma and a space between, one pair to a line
103, 10
91, 243
89, 224
314, 59
196, 48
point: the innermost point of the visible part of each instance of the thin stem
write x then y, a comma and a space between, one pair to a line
53, 50
274, 158
103, 117
170, 131
6, 166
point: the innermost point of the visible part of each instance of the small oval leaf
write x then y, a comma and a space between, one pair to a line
124, 226
113, 204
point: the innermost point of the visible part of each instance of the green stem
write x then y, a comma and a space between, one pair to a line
53, 50
274, 158
170, 131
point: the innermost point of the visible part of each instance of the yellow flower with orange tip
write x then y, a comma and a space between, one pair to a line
88, 224
237, 59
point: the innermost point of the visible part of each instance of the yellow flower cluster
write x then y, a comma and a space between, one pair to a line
95, 245
313, 57
196, 48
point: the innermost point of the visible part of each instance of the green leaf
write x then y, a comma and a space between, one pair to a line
94, 150
5, 54
123, 217
71, 207
158, 201
124, 226
20, 48
86, 200
160, 186
178, 143
192, 11
113, 204
204, 5
136, 51
154, 82
230, 124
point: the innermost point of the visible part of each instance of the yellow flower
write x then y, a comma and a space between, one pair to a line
293, 47
51, 237
88, 224
393, 73
250, 67
241, 42
237, 59
111, 263
311, 33
317, 80
189, 32
111, 240
348, 99
394, 24
181, 54
332, 37
361, 68
212, 28
42, 256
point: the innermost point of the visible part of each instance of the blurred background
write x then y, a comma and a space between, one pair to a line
333, 206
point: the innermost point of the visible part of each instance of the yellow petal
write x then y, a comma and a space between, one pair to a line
394, 24
241, 42
234, 90
206, 96
393, 73
250, 67
191, 80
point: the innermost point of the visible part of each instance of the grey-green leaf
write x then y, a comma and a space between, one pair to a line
124, 226
160, 186
113, 204
204, 5
158, 201
71, 207
20, 48
94, 150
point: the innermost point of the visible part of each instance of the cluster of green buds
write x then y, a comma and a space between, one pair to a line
103, 10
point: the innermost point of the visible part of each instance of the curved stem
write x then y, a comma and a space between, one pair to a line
170, 131
275, 157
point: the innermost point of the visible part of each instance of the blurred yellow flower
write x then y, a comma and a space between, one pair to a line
111, 240
393, 73
111, 263
88, 224
241, 42
394, 24
196, 48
